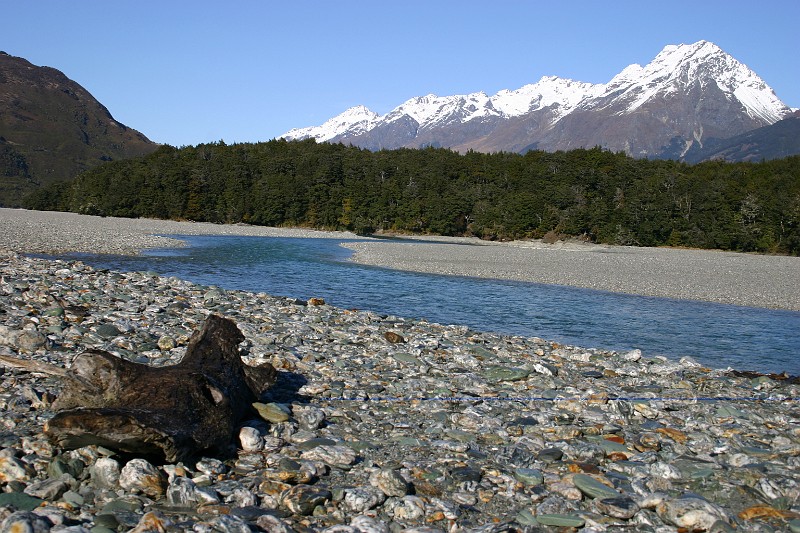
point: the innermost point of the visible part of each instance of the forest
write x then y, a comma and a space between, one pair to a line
591, 194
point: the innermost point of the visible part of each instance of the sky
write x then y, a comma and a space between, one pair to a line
189, 72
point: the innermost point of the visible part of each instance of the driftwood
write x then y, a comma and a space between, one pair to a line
176, 411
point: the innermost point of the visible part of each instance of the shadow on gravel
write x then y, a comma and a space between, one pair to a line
287, 389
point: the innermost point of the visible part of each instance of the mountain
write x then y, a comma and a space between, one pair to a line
51, 129
775, 141
686, 95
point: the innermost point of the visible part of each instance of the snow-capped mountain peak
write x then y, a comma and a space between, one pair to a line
355, 120
678, 67
643, 110
548, 91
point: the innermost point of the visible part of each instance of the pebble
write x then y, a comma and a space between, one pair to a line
383, 424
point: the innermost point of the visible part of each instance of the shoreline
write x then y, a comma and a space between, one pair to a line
704, 275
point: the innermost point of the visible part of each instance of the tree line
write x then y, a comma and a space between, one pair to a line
593, 194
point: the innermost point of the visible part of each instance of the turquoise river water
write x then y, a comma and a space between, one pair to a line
716, 335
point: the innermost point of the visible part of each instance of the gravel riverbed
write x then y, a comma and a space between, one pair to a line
732, 278
386, 424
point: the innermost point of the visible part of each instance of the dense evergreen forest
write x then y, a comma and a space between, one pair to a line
593, 194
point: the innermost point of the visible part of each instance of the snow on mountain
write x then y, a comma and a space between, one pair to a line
675, 72
354, 121
679, 66
564, 93
431, 110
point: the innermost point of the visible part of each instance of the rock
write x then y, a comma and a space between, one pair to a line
619, 507
105, 473
29, 341
394, 338
251, 439
167, 343
310, 418
19, 500
302, 499
367, 524
152, 521
500, 373
12, 469
138, 475
108, 331
593, 488
273, 412
361, 499
8, 336
529, 476
273, 524
550, 455
371, 436
691, 513
49, 489
407, 508
334, 455
25, 521
60, 466
390, 482
182, 492
560, 520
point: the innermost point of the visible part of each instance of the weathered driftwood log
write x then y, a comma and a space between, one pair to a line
178, 411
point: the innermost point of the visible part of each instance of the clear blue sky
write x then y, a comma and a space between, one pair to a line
186, 72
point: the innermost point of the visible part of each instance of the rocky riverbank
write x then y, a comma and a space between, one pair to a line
385, 424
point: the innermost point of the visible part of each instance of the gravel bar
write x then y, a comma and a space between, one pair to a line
723, 277
50, 232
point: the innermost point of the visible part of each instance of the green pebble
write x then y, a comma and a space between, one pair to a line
503, 373
403, 357
272, 412
20, 500
560, 520
526, 518
54, 311
529, 476
593, 488
106, 520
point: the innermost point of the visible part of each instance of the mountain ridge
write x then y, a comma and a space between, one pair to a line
52, 128
686, 94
